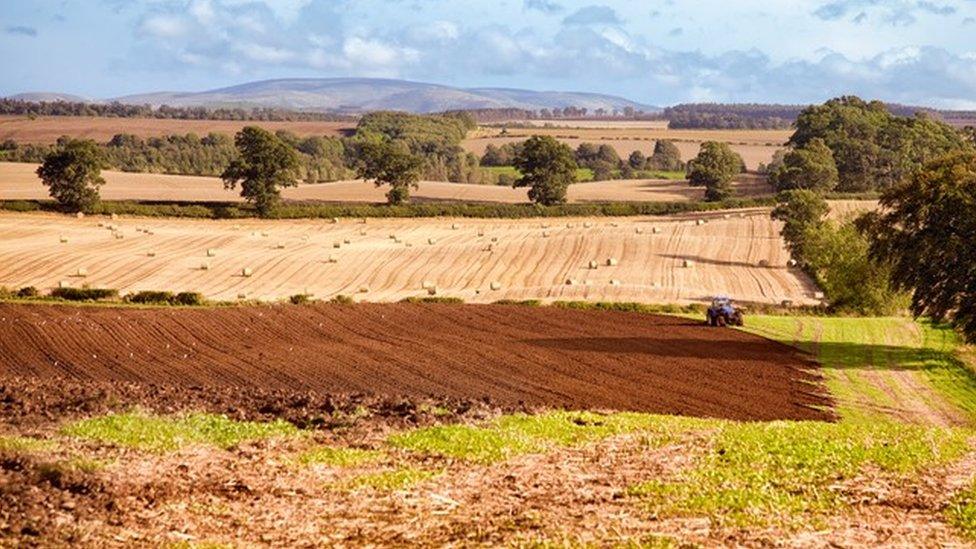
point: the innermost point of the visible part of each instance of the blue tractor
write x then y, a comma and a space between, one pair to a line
724, 313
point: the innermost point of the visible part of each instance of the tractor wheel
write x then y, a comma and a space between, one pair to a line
721, 321
738, 320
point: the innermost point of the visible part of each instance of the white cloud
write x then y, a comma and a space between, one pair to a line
164, 26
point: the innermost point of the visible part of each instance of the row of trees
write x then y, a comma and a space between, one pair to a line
120, 110
602, 159
917, 249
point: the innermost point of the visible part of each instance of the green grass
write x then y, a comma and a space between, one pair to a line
786, 473
961, 512
155, 433
519, 434
850, 348
26, 444
339, 457
392, 480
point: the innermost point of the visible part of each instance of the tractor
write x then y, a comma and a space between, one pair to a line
724, 313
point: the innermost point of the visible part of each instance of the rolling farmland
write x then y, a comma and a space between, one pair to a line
47, 129
654, 260
19, 182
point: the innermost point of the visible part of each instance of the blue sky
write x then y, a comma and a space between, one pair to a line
656, 51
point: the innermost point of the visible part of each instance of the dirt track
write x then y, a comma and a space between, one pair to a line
510, 355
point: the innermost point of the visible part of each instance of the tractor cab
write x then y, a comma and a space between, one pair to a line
723, 312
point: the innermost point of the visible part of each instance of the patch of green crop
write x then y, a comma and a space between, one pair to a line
26, 444
519, 434
961, 512
158, 433
789, 472
339, 457
851, 348
392, 480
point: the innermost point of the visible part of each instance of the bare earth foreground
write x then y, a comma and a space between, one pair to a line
511, 355
650, 260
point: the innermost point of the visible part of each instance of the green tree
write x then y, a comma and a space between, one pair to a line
927, 229
266, 163
872, 148
799, 210
72, 172
548, 168
714, 168
666, 157
811, 167
637, 160
387, 163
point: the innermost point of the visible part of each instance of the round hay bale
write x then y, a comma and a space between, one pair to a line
818, 295
639, 230
545, 234
791, 263
570, 225
614, 282
495, 286
592, 265
427, 284
346, 241
247, 272
455, 226
211, 252
80, 215
432, 290
64, 239
264, 235
362, 232
335, 220
280, 246
656, 230
114, 216
64, 284
364, 289
612, 262
393, 236
494, 239
241, 296
337, 245
481, 233
432, 241
764, 263
81, 272
700, 222
151, 253
587, 224
687, 263
204, 266
333, 259
570, 282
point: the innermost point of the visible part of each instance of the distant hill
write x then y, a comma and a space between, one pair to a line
368, 94
47, 97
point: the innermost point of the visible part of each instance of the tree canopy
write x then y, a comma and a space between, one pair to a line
265, 165
714, 168
548, 168
387, 163
872, 148
811, 167
927, 230
72, 172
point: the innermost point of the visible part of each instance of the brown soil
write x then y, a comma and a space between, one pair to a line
514, 356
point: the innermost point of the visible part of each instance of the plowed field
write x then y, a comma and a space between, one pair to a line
511, 355
671, 260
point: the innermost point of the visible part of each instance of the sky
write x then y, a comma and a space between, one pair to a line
658, 52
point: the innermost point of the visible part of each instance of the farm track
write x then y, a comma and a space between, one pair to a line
513, 356
724, 255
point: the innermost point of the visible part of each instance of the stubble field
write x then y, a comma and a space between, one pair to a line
657, 260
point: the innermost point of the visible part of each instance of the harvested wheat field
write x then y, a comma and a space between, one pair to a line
18, 181
47, 129
511, 355
655, 260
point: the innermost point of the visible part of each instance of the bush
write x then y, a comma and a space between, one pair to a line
28, 291
149, 296
342, 300
84, 294
189, 299
444, 300
300, 299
